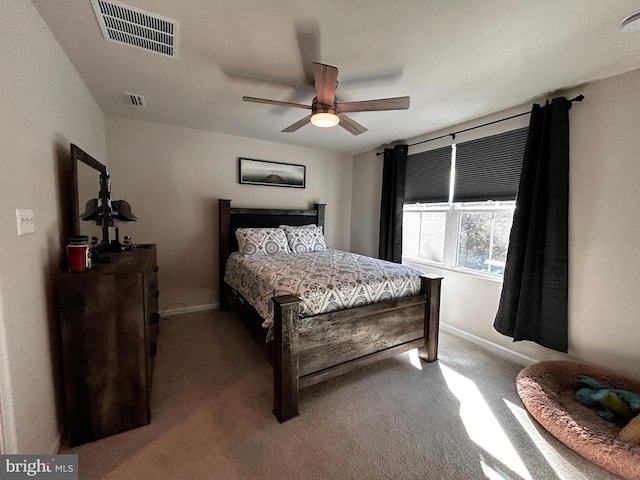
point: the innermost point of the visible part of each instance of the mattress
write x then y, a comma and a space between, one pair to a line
325, 281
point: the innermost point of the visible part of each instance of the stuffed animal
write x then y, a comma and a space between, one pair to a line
617, 405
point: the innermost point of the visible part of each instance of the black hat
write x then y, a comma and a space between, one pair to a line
91, 210
122, 211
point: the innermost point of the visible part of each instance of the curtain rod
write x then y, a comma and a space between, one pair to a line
579, 98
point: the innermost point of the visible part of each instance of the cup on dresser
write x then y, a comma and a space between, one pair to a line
78, 258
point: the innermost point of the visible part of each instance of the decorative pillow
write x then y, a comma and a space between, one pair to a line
307, 238
262, 241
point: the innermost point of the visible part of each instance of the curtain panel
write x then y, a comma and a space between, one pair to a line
533, 303
393, 179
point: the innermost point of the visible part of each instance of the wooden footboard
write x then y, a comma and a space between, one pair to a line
314, 349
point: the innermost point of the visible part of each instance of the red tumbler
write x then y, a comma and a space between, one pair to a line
78, 254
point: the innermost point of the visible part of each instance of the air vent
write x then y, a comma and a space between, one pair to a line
137, 28
134, 99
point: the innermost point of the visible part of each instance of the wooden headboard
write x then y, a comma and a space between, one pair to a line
234, 218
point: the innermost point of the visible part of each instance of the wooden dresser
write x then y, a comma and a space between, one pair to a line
109, 325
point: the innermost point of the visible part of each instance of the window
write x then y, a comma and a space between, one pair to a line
483, 237
467, 236
471, 230
423, 232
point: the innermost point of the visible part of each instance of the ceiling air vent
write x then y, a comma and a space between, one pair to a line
134, 99
137, 28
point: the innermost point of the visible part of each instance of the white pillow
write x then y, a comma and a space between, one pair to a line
254, 242
307, 238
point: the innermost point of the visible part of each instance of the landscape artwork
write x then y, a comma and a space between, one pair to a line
260, 172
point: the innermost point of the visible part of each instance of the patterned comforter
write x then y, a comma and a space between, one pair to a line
325, 281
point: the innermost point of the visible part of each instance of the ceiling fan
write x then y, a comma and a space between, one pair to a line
325, 111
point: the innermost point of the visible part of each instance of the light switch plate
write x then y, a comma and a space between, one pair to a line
24, 217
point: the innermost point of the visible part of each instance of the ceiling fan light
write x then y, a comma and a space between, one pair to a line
325, 119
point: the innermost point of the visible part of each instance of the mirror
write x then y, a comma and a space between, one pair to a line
90, 196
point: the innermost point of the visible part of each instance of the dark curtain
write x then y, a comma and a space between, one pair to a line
395, 163
533, 303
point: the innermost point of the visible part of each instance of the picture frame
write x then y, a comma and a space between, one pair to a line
274, 174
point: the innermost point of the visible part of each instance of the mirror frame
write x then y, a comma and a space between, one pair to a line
79, 155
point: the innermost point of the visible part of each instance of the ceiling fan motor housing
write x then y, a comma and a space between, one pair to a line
317, 107
324, 116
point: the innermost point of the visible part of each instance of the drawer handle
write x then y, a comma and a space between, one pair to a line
156, 294
156, 268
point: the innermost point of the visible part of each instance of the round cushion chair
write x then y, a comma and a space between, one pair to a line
547, 390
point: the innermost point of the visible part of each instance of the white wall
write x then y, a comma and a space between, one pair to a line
603, 240
45, 106
173, 178
604, 224
366, 193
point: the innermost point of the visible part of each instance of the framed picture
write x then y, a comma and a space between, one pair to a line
276, 174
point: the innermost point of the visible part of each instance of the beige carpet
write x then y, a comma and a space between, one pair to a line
458, 418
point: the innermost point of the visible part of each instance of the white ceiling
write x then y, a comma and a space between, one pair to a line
456, 59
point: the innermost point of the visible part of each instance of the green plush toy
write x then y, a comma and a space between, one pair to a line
618, 406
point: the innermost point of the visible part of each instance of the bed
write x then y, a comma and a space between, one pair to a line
305, 350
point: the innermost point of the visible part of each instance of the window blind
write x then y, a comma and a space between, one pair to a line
427, 176
489, 168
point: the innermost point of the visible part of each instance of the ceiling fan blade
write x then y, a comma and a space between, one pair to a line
396, 103
325, 78
351, 125
299, 124
275, 102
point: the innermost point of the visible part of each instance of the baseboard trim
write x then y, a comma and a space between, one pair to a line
186, 309
494, 347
